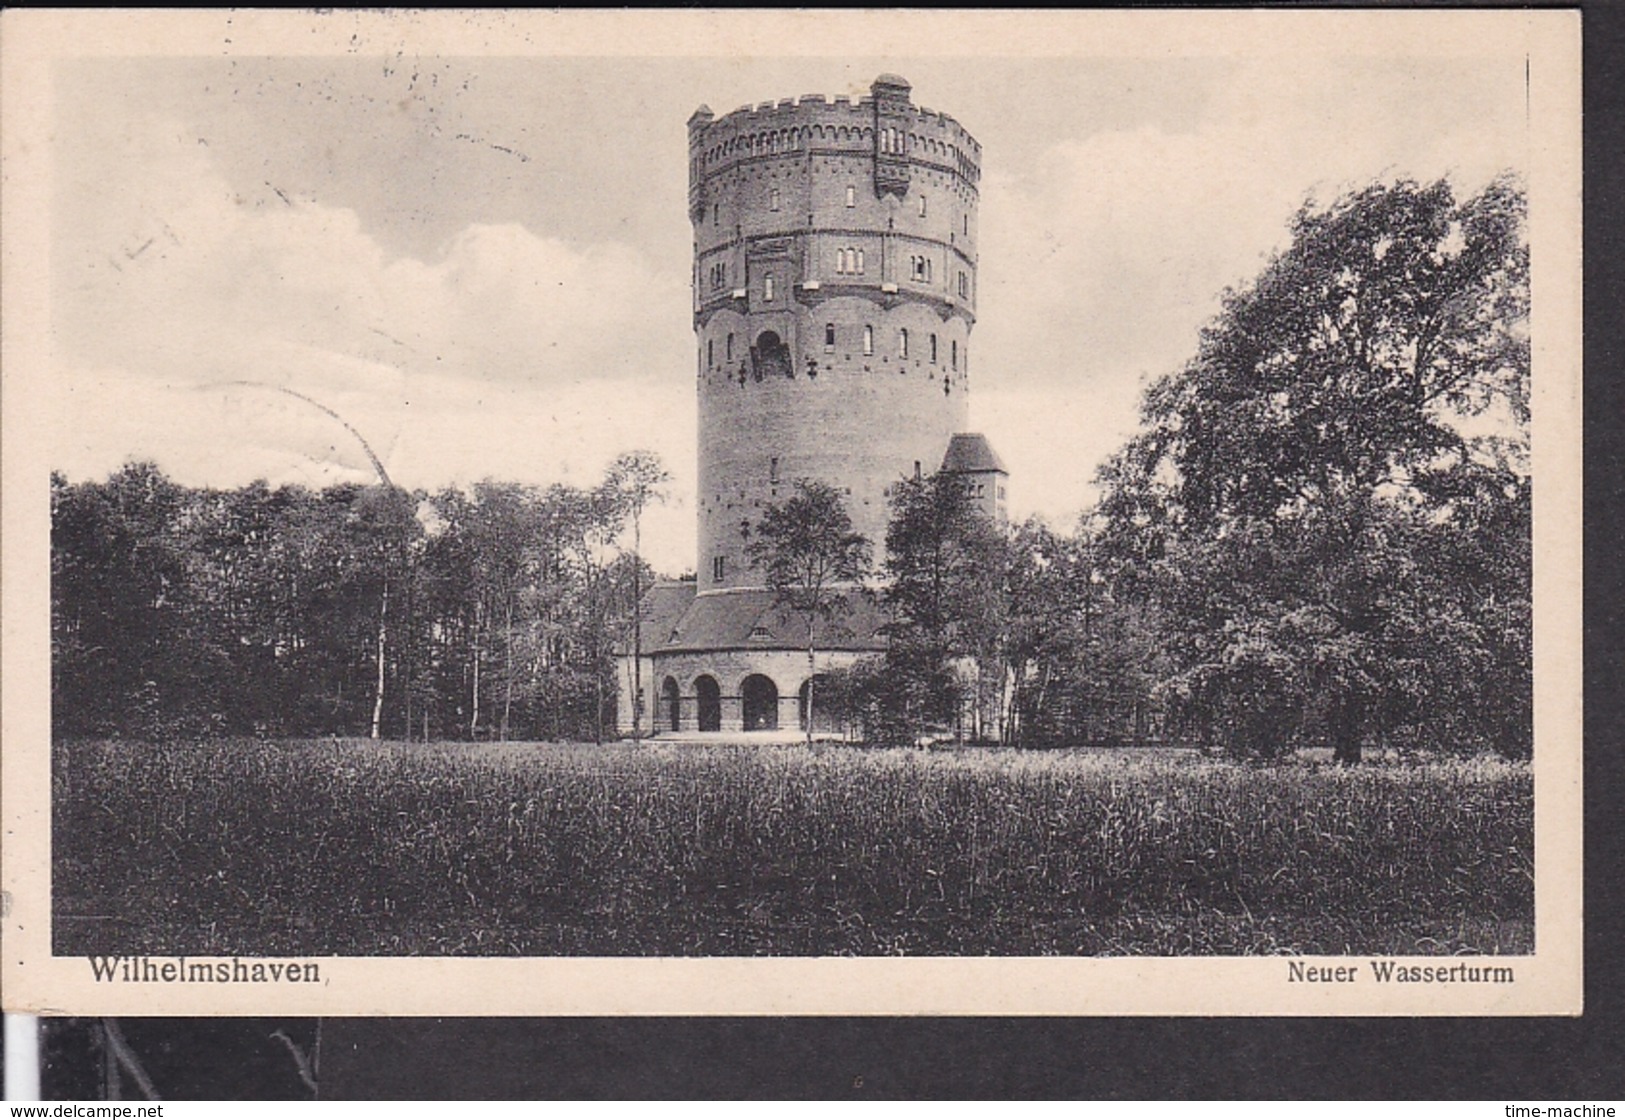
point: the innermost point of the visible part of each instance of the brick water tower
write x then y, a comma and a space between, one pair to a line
834, 293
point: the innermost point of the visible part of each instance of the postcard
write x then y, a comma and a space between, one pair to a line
745, 512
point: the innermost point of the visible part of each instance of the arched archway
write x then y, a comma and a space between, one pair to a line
761, 702
708, 703
770, 357
673, 697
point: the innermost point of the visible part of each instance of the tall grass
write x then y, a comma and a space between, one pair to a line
360, 848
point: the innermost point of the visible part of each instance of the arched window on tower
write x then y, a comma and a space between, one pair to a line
829, 337
729, 349
860, 262
710, 352
773, 198
767, 288
933, 349
902, 343
868, 340
851, 195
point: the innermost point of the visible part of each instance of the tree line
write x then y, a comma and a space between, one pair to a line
352, 610
1319, 536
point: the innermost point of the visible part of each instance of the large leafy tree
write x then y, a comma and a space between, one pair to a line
945, 579
811, 558
1311, 497
1081, 659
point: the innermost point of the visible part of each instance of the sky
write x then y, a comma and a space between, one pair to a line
482, 263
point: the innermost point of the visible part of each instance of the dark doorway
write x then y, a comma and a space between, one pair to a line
708, 700
761, 698
770, 357
674, 705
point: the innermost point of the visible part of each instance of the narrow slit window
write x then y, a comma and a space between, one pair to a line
922, 206
851, 195
773, 198
773, 470
829, 337
730, 347
860, 262
933, 349
902, 343
717, 567
953, 353
868, 340
767, 287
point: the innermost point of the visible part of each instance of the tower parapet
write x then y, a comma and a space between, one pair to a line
923, 138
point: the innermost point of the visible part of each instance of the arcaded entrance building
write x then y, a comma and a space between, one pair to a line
834, 293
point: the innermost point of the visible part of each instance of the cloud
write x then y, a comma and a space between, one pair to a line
511, 355
1102, 258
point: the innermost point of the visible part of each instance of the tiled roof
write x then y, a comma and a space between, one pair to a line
748, 619
663, 604
970, 453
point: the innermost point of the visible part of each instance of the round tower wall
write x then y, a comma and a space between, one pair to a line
856, 421
817, 246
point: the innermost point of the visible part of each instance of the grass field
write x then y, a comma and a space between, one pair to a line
358, 848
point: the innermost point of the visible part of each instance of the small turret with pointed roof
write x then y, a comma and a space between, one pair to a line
971, 457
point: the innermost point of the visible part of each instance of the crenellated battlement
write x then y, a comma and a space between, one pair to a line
814, 123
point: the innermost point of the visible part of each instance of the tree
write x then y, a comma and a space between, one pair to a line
118, 603
1344, 424
385, 518
810, 556
636, 478
946, 572
594, 520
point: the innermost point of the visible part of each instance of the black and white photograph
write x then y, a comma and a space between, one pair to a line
808, 512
